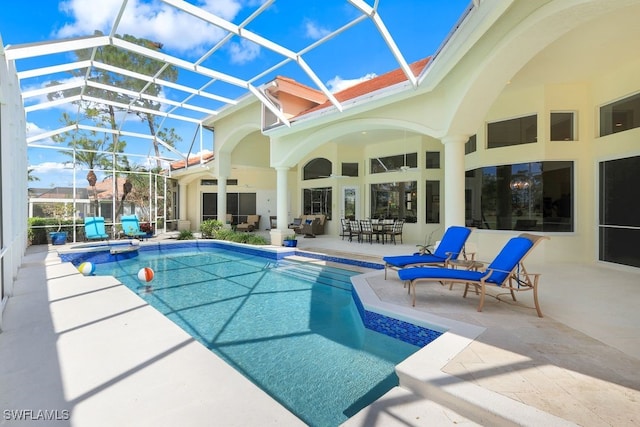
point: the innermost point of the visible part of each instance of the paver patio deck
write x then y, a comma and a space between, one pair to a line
94, 349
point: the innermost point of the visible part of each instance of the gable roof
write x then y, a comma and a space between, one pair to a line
372, 85
191, 161
292, 87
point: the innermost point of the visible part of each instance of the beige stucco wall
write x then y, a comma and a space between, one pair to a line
523, 63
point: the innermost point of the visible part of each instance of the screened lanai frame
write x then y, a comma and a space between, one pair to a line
198, 102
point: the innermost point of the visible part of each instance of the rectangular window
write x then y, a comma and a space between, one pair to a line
470, 146
562, 126
433, 159
215, 182
394, 200
522, 130
534, 196
209, 206
619, 221
349, 169
620, 115
394, 163
239, 205
317, 201
433, 202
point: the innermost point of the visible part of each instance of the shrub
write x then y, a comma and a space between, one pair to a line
209, 228
214, 229
254, 239
38, 229
185, 235
224, 234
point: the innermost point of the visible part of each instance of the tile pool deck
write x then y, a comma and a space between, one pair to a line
90, 346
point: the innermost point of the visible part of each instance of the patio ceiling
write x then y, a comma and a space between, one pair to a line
207, 90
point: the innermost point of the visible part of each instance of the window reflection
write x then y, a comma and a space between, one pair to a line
317, 201
394, 200
535, 196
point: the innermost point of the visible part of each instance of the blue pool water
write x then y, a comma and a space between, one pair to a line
292, 329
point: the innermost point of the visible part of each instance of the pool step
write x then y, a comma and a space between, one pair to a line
321, 274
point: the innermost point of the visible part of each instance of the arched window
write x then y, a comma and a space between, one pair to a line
317, 168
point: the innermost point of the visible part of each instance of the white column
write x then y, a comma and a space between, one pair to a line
222, 199
454, 179
282, 203
182, 192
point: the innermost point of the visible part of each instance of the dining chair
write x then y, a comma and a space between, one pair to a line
366, 230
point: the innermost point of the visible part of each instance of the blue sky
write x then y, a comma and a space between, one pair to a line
417, 26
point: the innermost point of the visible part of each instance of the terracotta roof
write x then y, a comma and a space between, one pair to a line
181, 164
290, 86
369, 86
104, 188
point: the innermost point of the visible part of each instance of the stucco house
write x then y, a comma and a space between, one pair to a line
526, 119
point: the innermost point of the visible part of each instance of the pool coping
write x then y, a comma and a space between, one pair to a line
421, 373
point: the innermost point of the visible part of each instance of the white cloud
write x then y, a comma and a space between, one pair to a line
337, 83
243, 52
314, 31
52, 167
175, 29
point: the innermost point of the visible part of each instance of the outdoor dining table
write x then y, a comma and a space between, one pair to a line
381, 228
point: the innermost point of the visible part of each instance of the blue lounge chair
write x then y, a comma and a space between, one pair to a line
450, 247
94, 228
506, 271
131, 227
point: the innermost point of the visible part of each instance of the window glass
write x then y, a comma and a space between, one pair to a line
470, 146
317, 201
209, 206
394, 200
317, 168
433, 202
619, 220
239, 205
523, 130
394, 163
215, 182
620, 115
535, 196
349, 169
562, 126
432, 160
619, 194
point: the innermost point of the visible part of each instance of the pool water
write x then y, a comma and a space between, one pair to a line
292, 329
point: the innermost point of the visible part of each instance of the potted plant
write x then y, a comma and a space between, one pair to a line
290, 241
147, 227
59, 211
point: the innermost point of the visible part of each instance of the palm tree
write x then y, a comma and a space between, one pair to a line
87, 150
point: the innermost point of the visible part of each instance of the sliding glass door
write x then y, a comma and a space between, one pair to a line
619, 222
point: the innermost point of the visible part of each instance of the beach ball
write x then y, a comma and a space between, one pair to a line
87, 268
145, 274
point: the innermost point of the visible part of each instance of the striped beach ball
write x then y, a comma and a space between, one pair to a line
87, 268
145, 274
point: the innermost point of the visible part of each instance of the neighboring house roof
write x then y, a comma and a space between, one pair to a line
192, 161
104, 188
369, 86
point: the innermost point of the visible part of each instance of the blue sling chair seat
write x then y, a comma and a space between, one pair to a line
131, 226
94, 228
506, 271
450, 247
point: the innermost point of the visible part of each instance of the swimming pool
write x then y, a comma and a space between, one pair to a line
295, 330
